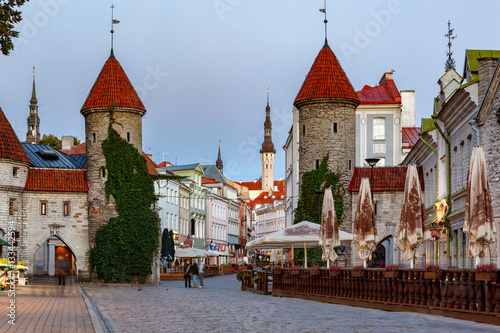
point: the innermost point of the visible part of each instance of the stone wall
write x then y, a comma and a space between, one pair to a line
71, 229
129, 125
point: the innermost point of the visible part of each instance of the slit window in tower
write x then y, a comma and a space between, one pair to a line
14, 171
66, 208
43, 208
11, 207
375, 208
93, 134
349, 164
103, 172
335, 128
304, 130
317, 164
128, 136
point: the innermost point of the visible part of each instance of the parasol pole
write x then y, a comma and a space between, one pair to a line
305, 255
412, 263
281, 257
477, 260
364, 263
292, 254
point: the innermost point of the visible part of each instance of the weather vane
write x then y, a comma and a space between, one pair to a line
450, 62
113, 21
323, 10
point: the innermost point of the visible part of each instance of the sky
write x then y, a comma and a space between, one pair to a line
202, 68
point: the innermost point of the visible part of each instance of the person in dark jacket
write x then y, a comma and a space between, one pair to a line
195, 275
62, 268
188, 270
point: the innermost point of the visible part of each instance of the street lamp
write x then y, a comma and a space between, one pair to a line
372, 162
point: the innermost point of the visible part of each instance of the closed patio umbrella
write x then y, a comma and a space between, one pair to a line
164, 245
364, 230
479, 218
413, 225
329, 229
171, 246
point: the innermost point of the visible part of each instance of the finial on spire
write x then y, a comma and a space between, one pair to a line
268, 95
450, 62
323, 10
33, 91
113, 21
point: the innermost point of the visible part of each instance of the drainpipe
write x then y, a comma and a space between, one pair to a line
448, 187
473, 124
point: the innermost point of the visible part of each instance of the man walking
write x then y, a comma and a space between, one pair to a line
187, 273
201, 267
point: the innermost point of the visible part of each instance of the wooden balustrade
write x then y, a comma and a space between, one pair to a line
450, 290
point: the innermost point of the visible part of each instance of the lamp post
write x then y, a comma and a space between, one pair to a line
372, 162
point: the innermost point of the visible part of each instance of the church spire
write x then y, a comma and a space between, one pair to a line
218, 164
267, 145
33, 133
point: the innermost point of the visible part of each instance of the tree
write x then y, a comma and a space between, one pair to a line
310, 203
54, 142
50, 140
8, 17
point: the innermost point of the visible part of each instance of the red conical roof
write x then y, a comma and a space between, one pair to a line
10, 146
113, 87
326, 79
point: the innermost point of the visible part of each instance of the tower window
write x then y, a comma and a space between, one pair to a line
304, 130
66, 208
335, 129
128, 136
349, 164
103, 171
43, 208
14, 171
93, 134
11, 207
317, 164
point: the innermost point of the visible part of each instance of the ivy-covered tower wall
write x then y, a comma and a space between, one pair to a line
111, 91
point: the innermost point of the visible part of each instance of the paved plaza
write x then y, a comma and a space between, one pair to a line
219, 307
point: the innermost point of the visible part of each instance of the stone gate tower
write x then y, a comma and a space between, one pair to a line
327, 122
267, 153
112, 88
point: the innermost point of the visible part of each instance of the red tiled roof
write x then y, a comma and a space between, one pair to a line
151, 165
164, 164
268, 200
59, 180
385, 178
410, 136
257, 186
10, 146
76, 150
113, 87
326, 79
386, 93
209, 181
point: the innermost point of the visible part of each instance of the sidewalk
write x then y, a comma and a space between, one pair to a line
43, 306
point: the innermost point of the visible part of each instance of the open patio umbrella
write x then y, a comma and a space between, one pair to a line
364, 231
413, 225
479, 218
329, 229
190, 252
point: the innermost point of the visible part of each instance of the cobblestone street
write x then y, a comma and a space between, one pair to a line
222, 307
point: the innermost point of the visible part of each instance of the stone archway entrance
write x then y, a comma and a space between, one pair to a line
45, 258
383, 255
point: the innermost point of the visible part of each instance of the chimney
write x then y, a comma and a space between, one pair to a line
385, 77
67, 142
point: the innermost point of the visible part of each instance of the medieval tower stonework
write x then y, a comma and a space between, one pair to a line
327, 122
267, 153
111, 89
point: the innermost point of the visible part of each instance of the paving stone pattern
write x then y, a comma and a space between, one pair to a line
46, 307
222, 307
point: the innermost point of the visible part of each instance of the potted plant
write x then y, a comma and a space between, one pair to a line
277, 270
314, 271
257, 279
391, 271
486, 272
359, 271
242, 276
335, 270
433, 272
295, 270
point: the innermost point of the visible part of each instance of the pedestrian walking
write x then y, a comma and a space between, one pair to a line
62, 268
188, 270
195, 275
201, 269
